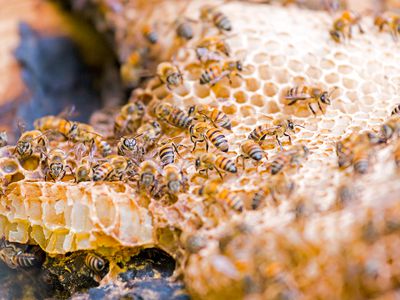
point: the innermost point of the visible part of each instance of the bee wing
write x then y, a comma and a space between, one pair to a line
298, 97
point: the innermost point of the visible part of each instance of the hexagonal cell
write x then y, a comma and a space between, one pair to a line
252, 84
257, 100
240, 97
9, 166
270, 89
265, 72
32, 163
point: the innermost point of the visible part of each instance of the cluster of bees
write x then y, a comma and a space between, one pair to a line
357, 149
343, 25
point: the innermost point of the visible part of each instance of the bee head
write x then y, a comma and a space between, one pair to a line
155, 124
130, 143
239, 65
174, 186
290, 125
197, 164
325, 98
56, 168
191, 110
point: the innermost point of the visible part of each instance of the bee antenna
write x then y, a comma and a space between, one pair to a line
332, 91
298, 125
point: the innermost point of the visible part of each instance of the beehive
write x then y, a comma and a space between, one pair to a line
302, 241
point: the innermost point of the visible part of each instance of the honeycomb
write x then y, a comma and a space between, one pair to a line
305, 239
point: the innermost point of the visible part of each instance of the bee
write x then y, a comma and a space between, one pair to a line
132, 70
396, 153
216, 72
16, 255
396, 110
202, 132
167, 152
112, 169
96, 264
129, 118
288, 158
214, 44
184, 29
170, 75
172, 115
209, 13
391, 128
210, 161
279, 128
149, 134
66, 128
345, 195
103, 147
129, 146
361, 159
342, 26
214, 190
258, 198
148, 174
206, 56
174, 179
251, 149
309, 94
392, 22
30, 142
217, 117
344, 154
3, 139
150, 34
83, 171
56, 161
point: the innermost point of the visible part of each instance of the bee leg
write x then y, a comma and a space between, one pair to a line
320, 107
206, 145
289, 137
194, 146
279, 142
219, 173
312, 110
360, 29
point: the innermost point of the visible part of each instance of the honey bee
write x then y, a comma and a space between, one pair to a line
210, 161
396, 153
129, 146
30, 142
149, 133
150, 34
279, 128
392, 22
170, 75
96, 264
148, 174
172, 115
16, 255
56, 162
66, 128
288, 158
206, 56
216, 72
344, 154
342, 26
258, 198
391, 128
345, 195
104, 147
251, 149
129, 118
215, 191
174, 179
202, 132
209, 13
309, 94
361, 159
3, 139
113, 168
132, 70
214, 44
217, 117
184, 29
83, 170
396, 110
167, 152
